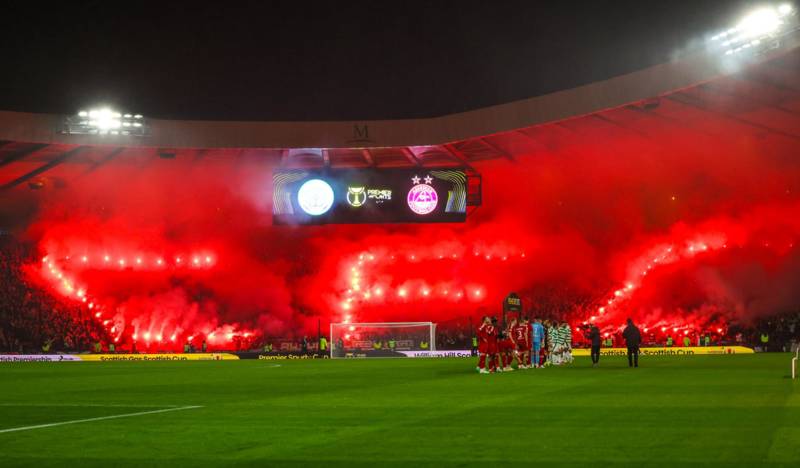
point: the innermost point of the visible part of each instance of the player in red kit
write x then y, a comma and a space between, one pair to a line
506, 349
521, 333
510, 346
487, 345
497, 362
529, 339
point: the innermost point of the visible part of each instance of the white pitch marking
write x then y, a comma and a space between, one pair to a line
101, 418
86, 405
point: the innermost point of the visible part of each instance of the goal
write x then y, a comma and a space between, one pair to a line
388, 339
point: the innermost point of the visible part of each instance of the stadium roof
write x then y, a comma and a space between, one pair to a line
702, 96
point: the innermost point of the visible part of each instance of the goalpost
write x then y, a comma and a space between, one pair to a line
381, 339
794, 363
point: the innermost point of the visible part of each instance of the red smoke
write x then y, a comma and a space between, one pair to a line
694, 228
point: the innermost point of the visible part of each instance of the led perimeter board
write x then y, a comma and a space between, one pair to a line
351, 196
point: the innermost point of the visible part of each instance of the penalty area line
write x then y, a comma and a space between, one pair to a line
101, 418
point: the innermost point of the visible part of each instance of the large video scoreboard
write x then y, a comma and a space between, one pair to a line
341, 196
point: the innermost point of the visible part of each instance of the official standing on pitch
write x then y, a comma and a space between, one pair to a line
594, 337
633, 338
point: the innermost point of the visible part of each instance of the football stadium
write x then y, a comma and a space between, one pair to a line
600, 271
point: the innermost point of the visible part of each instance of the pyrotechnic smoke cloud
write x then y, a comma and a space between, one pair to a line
566, 226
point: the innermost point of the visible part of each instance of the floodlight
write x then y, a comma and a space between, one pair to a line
759, 30
759, 23
105, 121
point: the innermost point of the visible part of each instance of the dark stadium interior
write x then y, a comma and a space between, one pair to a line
293, 60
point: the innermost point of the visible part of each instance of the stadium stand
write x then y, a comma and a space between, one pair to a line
30, 317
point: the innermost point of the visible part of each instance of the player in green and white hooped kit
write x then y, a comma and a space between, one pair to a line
552, 343
566, 337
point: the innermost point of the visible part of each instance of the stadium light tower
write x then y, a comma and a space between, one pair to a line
758, 31
105, 121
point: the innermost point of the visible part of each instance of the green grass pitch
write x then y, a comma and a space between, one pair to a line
723, 411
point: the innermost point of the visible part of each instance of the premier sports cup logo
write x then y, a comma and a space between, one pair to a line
356, 196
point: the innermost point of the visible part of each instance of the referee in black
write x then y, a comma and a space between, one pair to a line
594, 337
633, 338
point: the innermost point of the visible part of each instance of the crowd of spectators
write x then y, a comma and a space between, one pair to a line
31, 318
782, 332
34, 320
454, 334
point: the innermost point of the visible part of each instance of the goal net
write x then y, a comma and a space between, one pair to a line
381, 339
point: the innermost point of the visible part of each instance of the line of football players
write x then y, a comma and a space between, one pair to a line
522, 341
